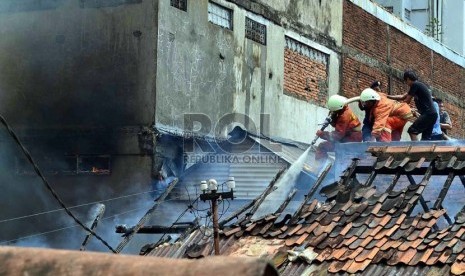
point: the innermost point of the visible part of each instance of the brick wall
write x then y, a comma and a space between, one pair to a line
305, 73
373, 50
359, 76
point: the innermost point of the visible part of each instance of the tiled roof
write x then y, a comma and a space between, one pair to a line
410, 157
357, 230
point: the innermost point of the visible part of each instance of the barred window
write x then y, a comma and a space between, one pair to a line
180, 4
407, 14
220, 15
255, 31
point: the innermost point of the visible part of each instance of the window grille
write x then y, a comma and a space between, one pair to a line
220, 15
407, 14
255, 31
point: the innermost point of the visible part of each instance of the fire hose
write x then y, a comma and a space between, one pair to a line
324, 125
328, 119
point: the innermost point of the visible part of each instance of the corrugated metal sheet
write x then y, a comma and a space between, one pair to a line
291, 153
253, 169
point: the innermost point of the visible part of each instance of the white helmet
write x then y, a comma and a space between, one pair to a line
369, 95
336, 102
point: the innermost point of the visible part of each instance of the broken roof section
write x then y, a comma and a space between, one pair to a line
358, 230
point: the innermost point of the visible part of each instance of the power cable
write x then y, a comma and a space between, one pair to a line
47, 185
68, 227
77, 206
180, 216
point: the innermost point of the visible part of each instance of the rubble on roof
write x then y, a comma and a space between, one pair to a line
358, 230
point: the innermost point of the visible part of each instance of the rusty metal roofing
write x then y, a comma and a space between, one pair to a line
34, 261
358, 230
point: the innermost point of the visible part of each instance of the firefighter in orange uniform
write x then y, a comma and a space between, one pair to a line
347, 127
389, 116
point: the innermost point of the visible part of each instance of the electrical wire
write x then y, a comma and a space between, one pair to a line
77, 206
67, 227
180, 216
39, 234
47, 185
223, 211
76, 225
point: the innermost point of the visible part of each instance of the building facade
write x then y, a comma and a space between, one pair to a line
441, 19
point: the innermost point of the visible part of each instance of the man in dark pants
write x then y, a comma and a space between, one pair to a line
423, 101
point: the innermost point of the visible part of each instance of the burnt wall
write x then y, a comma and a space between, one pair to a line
77, 83
77, 62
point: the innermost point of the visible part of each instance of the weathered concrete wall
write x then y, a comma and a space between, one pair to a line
319, 20
203, 68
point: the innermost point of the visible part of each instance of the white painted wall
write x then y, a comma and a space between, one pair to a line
454, 25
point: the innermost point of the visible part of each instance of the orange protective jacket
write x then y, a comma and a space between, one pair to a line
345, 125
384, 109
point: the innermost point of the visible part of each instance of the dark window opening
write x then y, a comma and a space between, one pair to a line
94, 164
180, 4
68, 165
255, 31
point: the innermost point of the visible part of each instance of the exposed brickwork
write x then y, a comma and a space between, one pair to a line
408, 53
374, 50
364, 32
448, 76
358, 76
457, 117
304, 78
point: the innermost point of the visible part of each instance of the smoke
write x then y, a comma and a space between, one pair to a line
58, 230
283, 187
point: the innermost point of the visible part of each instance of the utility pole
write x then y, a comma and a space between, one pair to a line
210, 192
